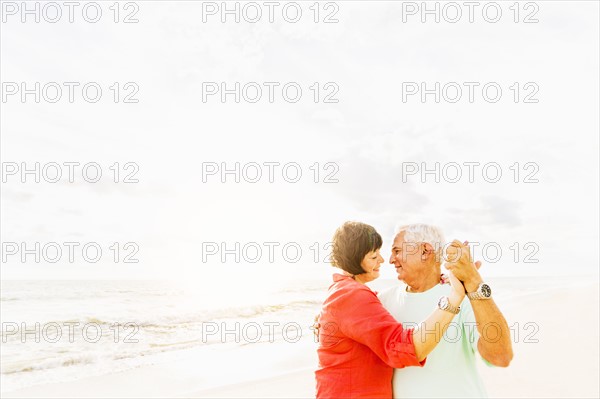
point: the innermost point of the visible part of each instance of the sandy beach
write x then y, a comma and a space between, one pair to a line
562, 363
180, 180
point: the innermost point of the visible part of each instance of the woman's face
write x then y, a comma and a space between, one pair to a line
370, 264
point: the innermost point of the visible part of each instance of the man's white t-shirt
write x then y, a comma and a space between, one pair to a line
450, 370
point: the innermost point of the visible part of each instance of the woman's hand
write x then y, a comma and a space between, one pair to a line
459, 262
315, 327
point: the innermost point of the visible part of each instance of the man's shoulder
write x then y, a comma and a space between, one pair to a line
391, 292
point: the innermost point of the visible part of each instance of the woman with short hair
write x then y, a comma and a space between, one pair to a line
360, 343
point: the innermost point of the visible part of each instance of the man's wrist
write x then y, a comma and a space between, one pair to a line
472, 285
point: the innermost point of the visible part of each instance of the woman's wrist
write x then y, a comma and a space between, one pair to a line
455, 298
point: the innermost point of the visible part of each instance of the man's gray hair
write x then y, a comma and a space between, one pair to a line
426, 233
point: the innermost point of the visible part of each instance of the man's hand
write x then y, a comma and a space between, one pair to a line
459, 262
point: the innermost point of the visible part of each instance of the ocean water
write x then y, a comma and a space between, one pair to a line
65, 330
55, 331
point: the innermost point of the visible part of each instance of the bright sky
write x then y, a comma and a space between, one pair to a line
371, 137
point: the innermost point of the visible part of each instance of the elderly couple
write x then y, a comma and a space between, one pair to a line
367, 339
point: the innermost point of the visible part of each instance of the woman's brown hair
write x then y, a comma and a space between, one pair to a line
351, 242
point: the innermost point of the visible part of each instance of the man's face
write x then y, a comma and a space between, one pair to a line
409, 260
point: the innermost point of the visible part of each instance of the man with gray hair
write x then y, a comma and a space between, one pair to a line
479, 326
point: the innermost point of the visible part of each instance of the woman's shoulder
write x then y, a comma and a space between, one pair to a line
344, 287
343, 282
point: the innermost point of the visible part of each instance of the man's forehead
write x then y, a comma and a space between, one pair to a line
398, 239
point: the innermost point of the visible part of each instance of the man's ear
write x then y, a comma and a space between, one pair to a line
426, 250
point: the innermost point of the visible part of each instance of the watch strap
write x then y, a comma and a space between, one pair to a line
448, 307
478, 294
475, 295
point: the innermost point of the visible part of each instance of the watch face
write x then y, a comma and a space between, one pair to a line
443, 304
486, 290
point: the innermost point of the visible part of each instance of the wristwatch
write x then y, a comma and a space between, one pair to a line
483, 292
444, 304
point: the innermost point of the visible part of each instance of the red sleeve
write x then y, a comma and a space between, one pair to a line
363, 318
